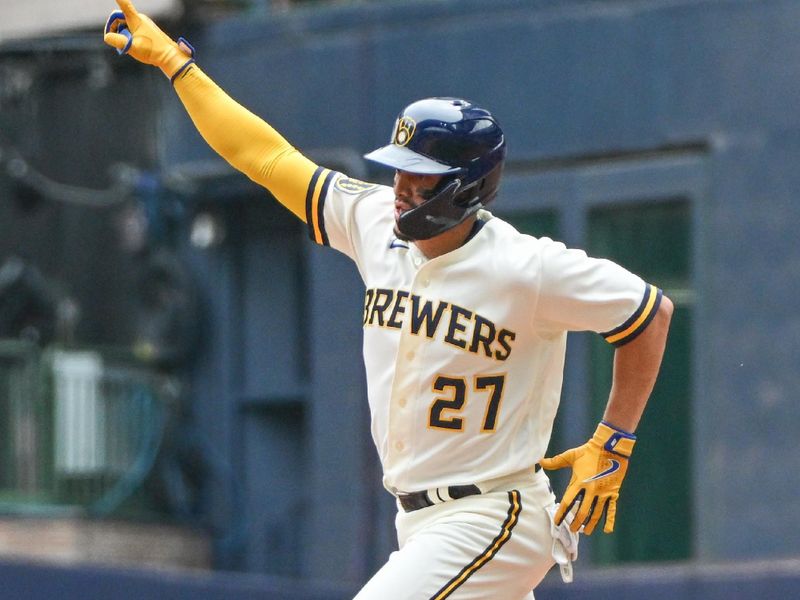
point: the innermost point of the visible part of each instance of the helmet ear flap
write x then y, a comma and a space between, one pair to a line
445, 181
481, 191
435, 215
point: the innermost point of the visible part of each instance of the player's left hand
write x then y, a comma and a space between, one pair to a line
135, 34
598, 468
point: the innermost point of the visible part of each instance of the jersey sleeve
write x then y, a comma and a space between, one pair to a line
341, 211
316, 197
581, 293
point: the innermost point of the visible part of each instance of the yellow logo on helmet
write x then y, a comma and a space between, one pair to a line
404, 130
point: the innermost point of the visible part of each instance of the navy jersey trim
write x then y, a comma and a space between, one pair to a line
476, 227
638, 321
315, 204
398, 243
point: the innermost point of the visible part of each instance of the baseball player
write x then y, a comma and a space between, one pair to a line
465, 325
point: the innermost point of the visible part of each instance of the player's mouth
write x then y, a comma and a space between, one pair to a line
401, 206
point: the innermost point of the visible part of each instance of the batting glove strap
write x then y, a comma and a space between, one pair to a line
187, 48
614, 440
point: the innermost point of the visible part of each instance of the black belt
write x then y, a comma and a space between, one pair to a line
416, 500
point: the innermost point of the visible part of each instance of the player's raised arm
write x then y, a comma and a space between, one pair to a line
247, 142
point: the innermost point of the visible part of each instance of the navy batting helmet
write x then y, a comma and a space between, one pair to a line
453, 138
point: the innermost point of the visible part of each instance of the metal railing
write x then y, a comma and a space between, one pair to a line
79, 429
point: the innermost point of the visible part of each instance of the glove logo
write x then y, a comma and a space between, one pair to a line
610, 470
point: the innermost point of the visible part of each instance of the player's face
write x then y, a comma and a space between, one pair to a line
411, 190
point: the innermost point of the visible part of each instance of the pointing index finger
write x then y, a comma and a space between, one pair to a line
131, 16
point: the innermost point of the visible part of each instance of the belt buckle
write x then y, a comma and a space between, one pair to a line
414, 501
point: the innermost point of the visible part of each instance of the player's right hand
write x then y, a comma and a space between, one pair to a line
133, 33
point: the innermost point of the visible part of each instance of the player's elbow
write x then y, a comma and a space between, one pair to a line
666, 308
663, 315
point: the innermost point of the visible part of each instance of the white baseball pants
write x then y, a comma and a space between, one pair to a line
493, 546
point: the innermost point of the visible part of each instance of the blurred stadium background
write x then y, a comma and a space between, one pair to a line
182, 402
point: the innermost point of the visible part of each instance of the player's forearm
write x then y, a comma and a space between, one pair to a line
636, 366
247, 142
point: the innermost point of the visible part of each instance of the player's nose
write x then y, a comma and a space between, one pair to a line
401, 180
403, 190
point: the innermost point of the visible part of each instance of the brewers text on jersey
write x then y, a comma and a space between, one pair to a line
464, 328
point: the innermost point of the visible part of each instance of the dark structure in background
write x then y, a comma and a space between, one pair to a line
28, 302
664, 134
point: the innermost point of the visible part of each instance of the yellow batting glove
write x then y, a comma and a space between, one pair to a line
135, 34
598, 468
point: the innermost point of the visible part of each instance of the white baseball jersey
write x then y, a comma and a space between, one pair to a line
464, 353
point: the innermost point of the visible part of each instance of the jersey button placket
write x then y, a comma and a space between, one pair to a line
401, 417
401, 413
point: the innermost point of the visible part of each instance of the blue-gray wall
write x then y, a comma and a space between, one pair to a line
602, 102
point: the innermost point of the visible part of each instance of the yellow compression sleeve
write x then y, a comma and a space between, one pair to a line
247, 142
